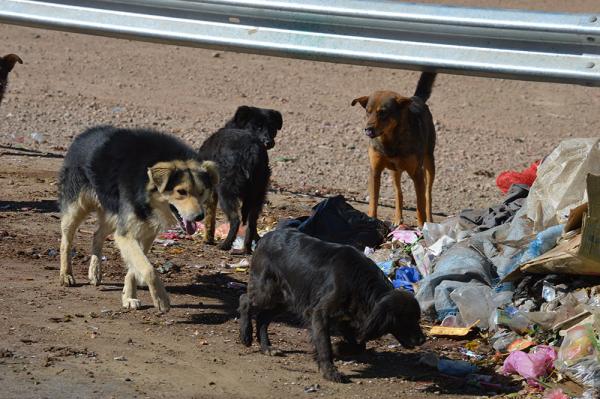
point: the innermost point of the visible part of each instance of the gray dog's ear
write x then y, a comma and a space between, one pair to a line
242, 116
361, 100
10, 60
159, 175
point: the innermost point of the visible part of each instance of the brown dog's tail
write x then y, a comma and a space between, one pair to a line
425, 85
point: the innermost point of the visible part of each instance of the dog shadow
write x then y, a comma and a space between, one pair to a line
405, 365
27, 152
212, 286
43, 206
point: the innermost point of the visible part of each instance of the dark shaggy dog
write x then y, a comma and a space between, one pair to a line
331, 287
262, 122
137, 182
7, 63
244, 169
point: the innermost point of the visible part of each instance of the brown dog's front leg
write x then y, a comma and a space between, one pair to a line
374, 182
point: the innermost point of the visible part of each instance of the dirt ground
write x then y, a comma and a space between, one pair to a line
77, 342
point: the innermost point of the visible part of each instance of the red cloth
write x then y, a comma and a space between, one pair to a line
508, 178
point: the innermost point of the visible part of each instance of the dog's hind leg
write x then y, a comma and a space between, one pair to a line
245, 320
397, 176
230, 208
418, 179
103, 230
140, 266
251, 229
429, 165
69, 222
211, 219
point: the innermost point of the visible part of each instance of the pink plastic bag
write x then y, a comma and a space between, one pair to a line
537, 363
555, 394
404, 235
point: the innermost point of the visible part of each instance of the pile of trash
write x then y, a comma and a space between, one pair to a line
525, 274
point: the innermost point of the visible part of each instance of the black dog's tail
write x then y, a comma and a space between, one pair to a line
245, 320
425, 85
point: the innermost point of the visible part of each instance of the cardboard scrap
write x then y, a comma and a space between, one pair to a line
584, 316
577, 253
575, 219
439, 331
590, 228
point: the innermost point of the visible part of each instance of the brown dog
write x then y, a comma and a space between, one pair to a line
402, 139
7, 63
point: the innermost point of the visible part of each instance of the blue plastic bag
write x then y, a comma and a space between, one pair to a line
405, 277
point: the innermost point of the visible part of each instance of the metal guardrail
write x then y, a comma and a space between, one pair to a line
553, 47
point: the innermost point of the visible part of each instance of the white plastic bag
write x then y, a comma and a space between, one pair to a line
561, 181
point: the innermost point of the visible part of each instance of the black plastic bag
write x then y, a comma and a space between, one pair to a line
335, 220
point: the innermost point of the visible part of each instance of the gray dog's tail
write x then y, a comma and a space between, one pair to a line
245, 320
425, 85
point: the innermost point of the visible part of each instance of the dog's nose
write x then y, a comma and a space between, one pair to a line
200, 217
369, 131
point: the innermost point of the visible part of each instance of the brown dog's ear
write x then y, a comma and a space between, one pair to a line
402, 101
211, 171
10, 60
159, 176
361, 100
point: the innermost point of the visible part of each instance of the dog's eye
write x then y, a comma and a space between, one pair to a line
181, 192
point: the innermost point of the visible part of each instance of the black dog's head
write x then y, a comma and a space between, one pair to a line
264, 123
397, 313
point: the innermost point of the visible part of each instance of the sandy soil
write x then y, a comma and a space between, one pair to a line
78, 342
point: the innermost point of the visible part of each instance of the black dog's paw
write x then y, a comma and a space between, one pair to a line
332, 374
210, 242
344, 348
246, 335
241, 252
270, 351
225, 246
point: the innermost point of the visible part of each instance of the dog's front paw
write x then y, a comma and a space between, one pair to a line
131, 303
209, 241
270, 351
162, 302
240, 252
95, 272
332, 374
67, 280
225, 246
